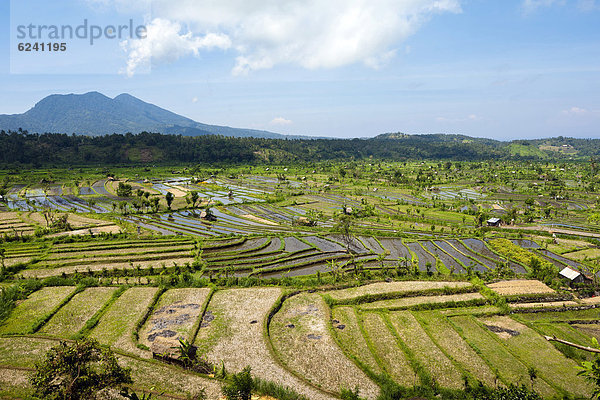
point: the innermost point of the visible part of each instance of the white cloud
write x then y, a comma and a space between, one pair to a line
309, 33
588, 5
165, 43
576, 111
195, 100
530, 6
280, 121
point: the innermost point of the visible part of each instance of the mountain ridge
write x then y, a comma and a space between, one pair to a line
96, 114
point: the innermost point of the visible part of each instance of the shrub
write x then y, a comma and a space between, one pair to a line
240, 387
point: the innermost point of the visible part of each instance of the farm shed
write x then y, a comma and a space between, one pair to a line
494, 222
572, 275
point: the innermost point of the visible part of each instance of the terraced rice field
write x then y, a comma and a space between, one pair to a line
232, 333
520, 287
176, 315
558, 371
391, 288
497, 356
408, 302
396, 248
24, 317
116, 326
302, 339
480, 247
425, 259
71, 318
386, 349
454, 347
350, 338
410, 332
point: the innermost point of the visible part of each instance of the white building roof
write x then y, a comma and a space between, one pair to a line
569, 273
493, 220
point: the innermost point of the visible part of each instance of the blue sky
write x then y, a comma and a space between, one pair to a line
501, 69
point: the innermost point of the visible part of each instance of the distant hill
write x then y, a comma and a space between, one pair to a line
95, 114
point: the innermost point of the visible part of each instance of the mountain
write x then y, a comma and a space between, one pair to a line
95, 114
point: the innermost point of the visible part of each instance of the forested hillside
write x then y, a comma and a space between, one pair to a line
61, 149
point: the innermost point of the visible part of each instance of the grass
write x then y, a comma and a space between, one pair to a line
535, 351
352, 340
386, 348
452, 300
454, 347
565, 331
115, 326
72, 317
391, 289
23, 352
560, 316
506, 365
440, 368
23, 317
309, 349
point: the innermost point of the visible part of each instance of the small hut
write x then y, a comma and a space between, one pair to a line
494, 222
572, 275
208, 216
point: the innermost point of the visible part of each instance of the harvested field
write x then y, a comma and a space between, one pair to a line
116, 325
38, 304
498, 357
387, 350
570, 333
85, 267
302, 339
520, 287
95, 231
591, 315
176, 315
71, 318
23, 352
534, 350
233, 332
170, 379
393, 287
407, 302
450, 342
592, 330
258, 219
425, 351
351, 339
548, 304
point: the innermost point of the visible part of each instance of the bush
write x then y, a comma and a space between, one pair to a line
240, 387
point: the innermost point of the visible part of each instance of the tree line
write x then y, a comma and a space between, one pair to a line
23, 148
